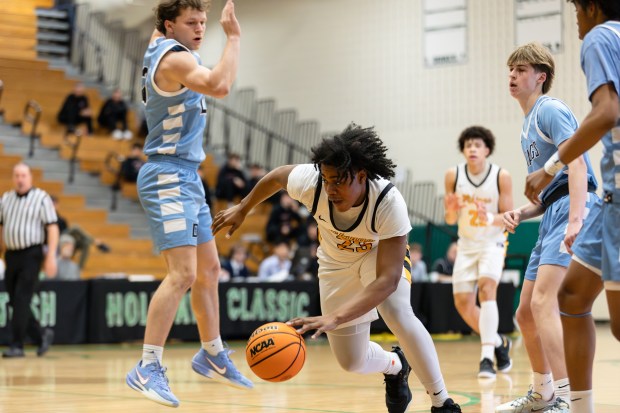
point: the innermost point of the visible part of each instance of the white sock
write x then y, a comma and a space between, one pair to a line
151, 354
394, 365
488, 323
543, 385
498, 341
582, 401
213, 347
562, 389
437, 392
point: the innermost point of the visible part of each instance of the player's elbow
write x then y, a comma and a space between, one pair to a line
392, 283
220, 91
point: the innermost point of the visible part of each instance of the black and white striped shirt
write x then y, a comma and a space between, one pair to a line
24, 218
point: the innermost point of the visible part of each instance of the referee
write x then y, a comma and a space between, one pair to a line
27, 220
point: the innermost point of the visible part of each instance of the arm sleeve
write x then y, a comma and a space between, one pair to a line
48, 212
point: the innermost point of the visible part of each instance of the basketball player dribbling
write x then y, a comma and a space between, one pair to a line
363, 261
477, 194
172, 194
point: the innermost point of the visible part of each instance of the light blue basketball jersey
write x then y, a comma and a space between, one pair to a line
175, 120
549, 123
600, 61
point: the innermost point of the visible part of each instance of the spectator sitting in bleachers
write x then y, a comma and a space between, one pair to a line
113, 116
82, 239
256, 172
76, 110
231, 181
276, 267
67, 269
443, 267
131, 165
284, 222
419, 273
234, 268
305, 262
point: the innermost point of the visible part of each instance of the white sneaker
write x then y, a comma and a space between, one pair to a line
560, 406
532, 402
127, 135
117, 134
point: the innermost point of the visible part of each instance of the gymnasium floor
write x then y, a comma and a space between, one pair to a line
91, 378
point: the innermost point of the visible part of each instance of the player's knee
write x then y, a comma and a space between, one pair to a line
462, 304
352, 365
615, 329
182, 280
524, 317
209, 274
486, 292
570, 302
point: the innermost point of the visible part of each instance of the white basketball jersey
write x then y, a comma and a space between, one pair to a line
474, 189
347, 237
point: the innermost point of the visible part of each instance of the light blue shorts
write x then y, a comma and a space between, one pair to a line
598, 242
173, 198
550, 248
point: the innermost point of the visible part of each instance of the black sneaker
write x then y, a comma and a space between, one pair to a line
486, 369
13, 352
46, 341
448, 407
397, 392
504, 364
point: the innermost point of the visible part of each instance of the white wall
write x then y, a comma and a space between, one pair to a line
339, 61
361, 60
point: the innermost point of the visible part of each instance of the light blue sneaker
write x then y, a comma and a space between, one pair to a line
152, 382
220, 368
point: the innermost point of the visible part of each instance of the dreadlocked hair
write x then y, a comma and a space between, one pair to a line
354, 149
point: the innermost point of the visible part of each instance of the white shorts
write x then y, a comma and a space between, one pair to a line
337, 286
472, 264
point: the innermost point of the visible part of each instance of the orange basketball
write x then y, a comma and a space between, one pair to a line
275, 352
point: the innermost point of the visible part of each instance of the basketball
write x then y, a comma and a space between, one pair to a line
275, 352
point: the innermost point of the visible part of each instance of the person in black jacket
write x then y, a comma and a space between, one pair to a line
285, 223
113, 116
231, 182
76, 110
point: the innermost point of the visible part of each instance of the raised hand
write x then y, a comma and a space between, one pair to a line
229, 20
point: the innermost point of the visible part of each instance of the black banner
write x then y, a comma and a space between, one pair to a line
119, 308
60, 305
112, 311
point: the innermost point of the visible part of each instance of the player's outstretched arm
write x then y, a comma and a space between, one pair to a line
513, 218
268, 185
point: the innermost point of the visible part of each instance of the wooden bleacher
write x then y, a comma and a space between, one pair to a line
126, 255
